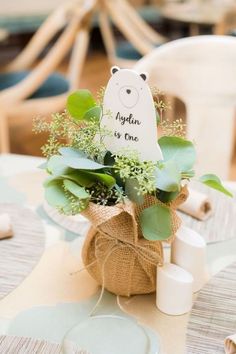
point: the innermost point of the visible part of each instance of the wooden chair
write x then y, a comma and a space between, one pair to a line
26, 92
140, 37
227, 26
201, 71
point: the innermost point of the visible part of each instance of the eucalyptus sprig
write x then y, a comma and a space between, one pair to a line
81, 170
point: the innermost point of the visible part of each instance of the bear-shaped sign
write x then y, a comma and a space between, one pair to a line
132, 118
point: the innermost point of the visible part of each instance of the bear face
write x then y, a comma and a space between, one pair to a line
127, 86
129, 96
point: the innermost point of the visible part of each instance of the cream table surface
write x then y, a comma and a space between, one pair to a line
51, 283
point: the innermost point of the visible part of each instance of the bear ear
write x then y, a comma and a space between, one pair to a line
144, 76
114, 69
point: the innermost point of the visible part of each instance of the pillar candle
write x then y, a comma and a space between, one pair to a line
174, 292
189, 252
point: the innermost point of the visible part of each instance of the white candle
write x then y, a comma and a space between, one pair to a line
174, 294
189, 252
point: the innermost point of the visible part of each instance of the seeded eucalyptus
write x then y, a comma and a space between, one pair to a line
82, 171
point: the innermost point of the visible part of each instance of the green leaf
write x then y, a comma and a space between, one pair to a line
76, 190
179, 150
156, 223
81, 163
79, 102
71, 152
168, 177
109, 159
55, 194
88, 178
69, 210
93, 114
106, 179
167, 197
51, 179
56, 166
214, 182
79, 177
131, 190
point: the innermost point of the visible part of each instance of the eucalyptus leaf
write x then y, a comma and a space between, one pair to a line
168, 177
214, 182
71, 152
76, 190
68, 209
81, 163
179, 150
79, 102
55, 194
106, 179
89, 178
43, 166
80, 177
109, 159
93, 114
167, 197
50, 179
156, 223
56, 166
131, 190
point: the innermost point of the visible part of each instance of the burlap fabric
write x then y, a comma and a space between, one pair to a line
115, 252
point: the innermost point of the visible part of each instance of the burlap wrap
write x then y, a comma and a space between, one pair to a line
115, 252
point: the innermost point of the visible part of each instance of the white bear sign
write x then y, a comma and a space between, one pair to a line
133, 115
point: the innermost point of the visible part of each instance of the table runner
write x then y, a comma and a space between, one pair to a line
213, 316
19, 254
21, 345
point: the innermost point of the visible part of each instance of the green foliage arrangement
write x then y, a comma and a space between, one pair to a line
81, 170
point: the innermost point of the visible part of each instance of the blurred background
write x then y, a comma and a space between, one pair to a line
50, 47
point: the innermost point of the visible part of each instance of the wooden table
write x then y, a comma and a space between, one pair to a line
50, 282
196, 13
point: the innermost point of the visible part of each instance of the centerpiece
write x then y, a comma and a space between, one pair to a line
105, 161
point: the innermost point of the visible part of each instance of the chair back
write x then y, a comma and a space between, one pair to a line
228, 23
131, 25
71, 22
201, 71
